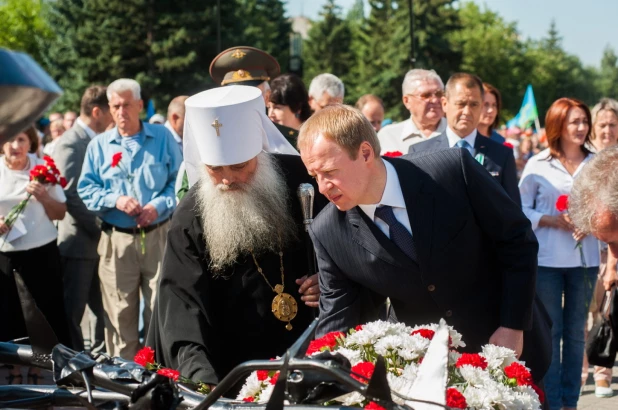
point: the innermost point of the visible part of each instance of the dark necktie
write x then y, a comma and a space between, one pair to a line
397, 232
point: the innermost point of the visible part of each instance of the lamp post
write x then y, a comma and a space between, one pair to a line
411, 13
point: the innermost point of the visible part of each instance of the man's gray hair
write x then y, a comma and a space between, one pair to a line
124, 84
415, 77
326, 83
595, 190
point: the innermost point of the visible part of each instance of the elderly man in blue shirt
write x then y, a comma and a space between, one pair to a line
128, 179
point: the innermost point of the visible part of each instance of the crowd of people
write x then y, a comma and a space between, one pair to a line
146, 215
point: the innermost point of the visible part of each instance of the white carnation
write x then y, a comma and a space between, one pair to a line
387, 344
477, 399
410, 372
527, 398
266, 393
453, 357
251, 387
475, 376
498, 357
400, 385
354, 356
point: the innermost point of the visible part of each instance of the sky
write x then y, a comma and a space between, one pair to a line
586, 26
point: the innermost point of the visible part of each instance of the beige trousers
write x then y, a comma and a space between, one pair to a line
124, 271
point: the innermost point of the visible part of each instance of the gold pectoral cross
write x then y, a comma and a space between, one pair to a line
216, 125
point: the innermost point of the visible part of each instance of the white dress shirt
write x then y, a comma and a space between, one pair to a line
454, 138
174, 134
542, 182
400, 136
86, 128
393, 197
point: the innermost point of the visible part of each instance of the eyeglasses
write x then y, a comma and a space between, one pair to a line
427, 96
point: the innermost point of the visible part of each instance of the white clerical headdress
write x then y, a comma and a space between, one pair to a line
227, 126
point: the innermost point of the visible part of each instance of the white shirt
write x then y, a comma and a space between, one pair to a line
48, 149
174, 134
542, 182
86, 128
454, 138
400, 136
40, 230
393, 197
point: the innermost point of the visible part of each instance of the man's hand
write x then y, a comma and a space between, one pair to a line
510, 338
310, 289
148, 215
128, 205
610, 277
578, 235
561, 221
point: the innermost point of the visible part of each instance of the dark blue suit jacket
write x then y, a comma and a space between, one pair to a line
477, 258
499, 160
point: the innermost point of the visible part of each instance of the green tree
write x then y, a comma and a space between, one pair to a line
23, 26
328, 48
267, 28
491, 49
607, 76
556, 74
167, 47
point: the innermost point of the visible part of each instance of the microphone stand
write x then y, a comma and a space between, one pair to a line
306, 193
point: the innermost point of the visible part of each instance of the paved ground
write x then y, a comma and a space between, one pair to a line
589, 401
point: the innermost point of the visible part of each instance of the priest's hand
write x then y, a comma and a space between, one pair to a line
148, 215
310, 290
510, 338
128, 205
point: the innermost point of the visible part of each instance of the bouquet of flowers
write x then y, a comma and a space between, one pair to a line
46, 174
491, 379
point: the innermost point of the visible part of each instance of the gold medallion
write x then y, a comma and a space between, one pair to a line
284, 308
238, 54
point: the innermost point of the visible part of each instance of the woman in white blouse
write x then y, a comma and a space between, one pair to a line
565, 270
30, 246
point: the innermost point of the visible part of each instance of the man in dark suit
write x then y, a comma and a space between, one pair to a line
79, 232
463, 103
433, 232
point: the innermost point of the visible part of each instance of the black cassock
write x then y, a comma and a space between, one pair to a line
203, 326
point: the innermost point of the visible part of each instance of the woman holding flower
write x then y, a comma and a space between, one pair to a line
28, 241
568, 261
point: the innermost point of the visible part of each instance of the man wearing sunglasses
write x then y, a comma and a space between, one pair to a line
422, 91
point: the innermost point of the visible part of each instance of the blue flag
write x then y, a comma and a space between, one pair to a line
527, 113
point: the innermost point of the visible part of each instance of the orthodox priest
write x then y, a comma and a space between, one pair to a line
233, 284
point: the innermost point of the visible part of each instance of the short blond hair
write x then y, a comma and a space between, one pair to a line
344, 125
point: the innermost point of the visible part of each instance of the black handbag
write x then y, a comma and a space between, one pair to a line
602, 344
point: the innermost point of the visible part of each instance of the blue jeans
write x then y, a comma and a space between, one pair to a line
563, 379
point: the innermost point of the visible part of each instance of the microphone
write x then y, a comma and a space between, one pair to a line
306, 193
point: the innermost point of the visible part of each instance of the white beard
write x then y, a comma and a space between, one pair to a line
255, 216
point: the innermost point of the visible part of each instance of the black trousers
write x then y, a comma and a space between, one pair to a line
40, 267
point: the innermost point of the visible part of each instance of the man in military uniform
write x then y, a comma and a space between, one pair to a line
249, 66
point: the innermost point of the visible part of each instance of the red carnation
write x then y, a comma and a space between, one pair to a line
262, 375
326, 342
273, 380
392, 154
455, 400
145, 356
38, 172
472, 359
372, 405
358, 328
63, 182
116, 158
171, 373
364, 369
519, 373
49, 161
426, 333
51, 179
248, 399
538, 391
562, 203
508, 145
